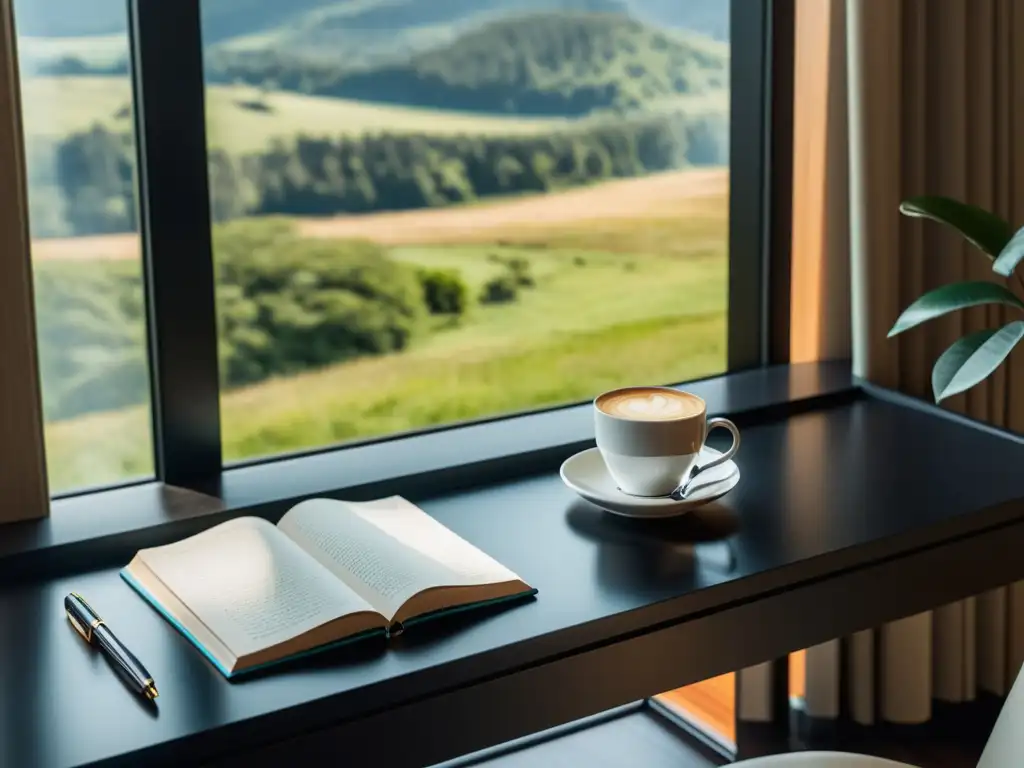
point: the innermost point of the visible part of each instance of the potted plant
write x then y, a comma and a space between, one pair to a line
970, 359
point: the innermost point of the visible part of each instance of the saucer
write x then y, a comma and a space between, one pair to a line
586, 474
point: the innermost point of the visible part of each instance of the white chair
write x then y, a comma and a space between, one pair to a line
1005, 747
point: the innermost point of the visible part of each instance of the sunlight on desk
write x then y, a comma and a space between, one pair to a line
711, 704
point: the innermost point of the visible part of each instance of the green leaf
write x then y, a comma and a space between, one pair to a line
985, 230
950, 298
1011, 255
972, 358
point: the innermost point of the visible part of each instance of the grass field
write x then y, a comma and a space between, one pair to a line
241, 119
563, 219
617, 301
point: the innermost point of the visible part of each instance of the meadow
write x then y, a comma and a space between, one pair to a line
243, 118
615, 300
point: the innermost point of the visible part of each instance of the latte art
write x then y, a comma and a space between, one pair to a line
650, 404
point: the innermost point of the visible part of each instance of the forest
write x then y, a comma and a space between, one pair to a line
569, 64
84, 184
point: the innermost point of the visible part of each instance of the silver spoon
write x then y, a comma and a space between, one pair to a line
679, 494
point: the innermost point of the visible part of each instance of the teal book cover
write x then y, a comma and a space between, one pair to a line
231, 675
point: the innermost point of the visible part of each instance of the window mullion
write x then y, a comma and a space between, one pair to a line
167, 75
749, 183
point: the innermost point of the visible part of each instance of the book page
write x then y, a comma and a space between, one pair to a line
405, 522
381, 569
250, 585
389, 550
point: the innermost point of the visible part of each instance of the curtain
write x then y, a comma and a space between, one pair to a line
896, 98
23, 487
820, 252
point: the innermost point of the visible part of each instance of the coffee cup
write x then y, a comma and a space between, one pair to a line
650, 437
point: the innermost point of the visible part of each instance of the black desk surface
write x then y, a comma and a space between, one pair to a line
822, 492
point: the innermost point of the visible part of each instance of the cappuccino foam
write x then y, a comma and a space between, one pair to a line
650, 404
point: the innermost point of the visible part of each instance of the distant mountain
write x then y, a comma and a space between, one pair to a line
223, 18
370, 32
706, 17
70, 18
564, 63
389, 15
228, 19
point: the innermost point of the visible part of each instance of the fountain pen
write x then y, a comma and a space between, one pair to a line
97, 634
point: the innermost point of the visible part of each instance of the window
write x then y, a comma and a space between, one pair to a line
427, 213
296, 226
77, 116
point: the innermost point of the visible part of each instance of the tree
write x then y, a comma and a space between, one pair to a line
500, 290
444, 291
288, 304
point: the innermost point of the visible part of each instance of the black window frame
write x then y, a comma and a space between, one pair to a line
192, 490
175, 226
169, 88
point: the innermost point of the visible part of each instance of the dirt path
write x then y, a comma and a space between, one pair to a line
648, 197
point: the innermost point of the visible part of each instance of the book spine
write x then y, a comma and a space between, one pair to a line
970, 649
953, 651
905, 667
754, 694
1015, 649
861, 676
821, 689
992, 636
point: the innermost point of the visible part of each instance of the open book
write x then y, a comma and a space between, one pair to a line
248, 593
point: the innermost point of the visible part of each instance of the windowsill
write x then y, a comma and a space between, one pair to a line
107, 527
846, 499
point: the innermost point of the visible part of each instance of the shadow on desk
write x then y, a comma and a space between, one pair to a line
644, 554
355, 654
444, 628
363, 651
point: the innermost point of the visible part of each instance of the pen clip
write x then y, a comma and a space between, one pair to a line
79, 628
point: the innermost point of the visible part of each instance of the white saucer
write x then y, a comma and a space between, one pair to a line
586, 474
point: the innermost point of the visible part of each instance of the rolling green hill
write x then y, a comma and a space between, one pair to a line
58, 35
242, 119
566, 64
226, 19
374, 32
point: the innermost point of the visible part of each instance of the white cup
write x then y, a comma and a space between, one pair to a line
650, 437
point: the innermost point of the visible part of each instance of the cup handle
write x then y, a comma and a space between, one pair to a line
725, 424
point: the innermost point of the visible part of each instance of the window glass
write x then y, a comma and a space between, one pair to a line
80, 155
431, 212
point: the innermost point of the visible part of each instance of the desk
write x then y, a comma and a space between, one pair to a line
846, 516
